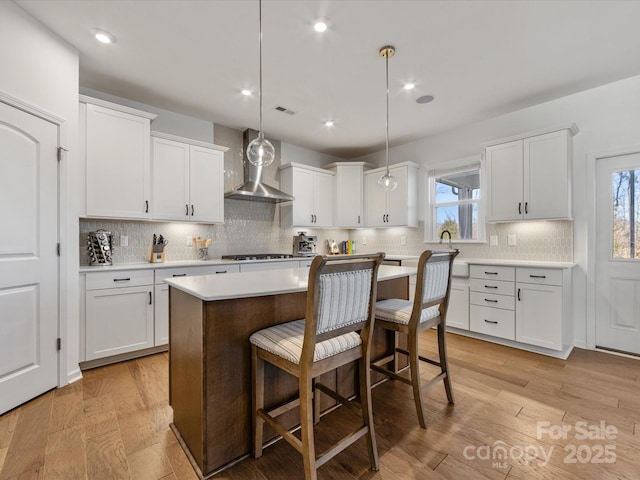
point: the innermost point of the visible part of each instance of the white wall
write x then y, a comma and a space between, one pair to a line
294, 153
608, 118
42, 70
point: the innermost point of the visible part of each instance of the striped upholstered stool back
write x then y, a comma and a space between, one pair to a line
436, 277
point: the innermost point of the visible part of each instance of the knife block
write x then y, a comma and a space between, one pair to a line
157, 254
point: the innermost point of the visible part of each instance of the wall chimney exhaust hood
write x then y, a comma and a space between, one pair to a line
253, 188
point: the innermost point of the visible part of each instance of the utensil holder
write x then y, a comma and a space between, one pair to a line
157, 254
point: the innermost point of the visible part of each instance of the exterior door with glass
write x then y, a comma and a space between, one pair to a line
618, 253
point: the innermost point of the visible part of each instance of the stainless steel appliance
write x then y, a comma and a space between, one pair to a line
256, 256
304, 245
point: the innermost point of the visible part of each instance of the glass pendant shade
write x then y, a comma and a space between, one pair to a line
387, 182
260, 151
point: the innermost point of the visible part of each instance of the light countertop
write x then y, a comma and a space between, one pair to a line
261, 283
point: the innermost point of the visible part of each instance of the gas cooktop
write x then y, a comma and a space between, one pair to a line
257, 256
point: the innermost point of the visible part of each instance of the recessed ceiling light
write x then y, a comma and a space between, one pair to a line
103, 36
246, 92
329, 123
320, 26
425, 99
409, 86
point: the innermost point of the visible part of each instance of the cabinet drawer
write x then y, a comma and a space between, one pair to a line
541, 276
492, 321
492, 286
162, 273
506, 302
491, 272
126, 278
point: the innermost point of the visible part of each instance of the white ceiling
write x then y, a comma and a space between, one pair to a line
478, 58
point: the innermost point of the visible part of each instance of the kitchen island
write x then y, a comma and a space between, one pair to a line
210, 321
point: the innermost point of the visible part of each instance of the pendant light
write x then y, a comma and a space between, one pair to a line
387, 182
260, 151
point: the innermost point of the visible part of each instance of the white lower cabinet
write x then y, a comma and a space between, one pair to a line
119, 313
530, 305
539, 307
161, 331
127, 311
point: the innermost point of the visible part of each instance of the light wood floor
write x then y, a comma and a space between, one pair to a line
114, 424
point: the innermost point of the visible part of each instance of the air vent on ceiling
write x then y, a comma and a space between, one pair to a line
285, 110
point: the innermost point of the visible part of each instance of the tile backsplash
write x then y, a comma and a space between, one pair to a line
253, 227
535, 241
250, 227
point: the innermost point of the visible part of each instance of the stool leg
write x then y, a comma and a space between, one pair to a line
414, 363
257, 400
306, 427
444, 363
367, 411
316, 404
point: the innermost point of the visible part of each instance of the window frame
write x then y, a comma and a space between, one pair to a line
457, 166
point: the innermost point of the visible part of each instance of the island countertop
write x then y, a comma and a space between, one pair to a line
261, 283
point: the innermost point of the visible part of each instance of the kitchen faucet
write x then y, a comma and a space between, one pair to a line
442, 236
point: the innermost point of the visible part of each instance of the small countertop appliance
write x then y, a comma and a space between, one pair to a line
304, 245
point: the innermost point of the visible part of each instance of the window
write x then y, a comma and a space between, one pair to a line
455, 205
626, 214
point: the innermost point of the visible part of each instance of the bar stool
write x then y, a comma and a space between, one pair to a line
428, 309
337, 329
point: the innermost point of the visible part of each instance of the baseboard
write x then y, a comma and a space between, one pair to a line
74, 376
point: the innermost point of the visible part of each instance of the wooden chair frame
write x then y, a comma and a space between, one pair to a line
413, 330
307, 371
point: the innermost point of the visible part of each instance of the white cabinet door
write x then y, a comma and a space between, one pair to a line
118, 180
118, 320
206, 185
375, 201
161, 308
187, 182
458, 311
170, 180
313, 190
323, 199
504, 165
396, 208
349, 212
539, 315
547, 177
530, 179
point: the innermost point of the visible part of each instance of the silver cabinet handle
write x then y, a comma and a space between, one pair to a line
121, 279
491, 321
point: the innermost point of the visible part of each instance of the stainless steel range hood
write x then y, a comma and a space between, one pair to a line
253, 188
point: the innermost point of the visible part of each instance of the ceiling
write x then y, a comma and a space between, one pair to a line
477, 58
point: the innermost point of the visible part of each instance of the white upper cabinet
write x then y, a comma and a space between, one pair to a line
188, 180
349, 199
117, 159
313, 189
530, 178
398, 207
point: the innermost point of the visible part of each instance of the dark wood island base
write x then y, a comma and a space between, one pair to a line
210, 370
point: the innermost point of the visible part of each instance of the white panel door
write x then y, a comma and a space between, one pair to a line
618, 253
28, 259
397, 207
323, 193
375, 201
161, 317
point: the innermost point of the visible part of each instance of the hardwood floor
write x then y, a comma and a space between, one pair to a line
113, 424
